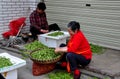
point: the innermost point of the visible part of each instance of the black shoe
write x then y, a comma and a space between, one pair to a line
58, 66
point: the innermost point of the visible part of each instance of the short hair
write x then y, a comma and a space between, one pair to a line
41, 6
73, 25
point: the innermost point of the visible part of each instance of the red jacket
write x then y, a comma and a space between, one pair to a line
78, 44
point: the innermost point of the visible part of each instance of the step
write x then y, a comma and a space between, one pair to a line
104, 66
91, 73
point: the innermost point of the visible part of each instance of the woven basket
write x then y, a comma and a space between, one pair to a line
54, 60
43, 66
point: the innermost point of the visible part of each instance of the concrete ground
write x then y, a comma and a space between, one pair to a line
106, 64
24, 72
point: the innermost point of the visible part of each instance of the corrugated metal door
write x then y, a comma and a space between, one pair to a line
99, 19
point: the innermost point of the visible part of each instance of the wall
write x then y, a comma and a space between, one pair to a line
100, 22
13, 9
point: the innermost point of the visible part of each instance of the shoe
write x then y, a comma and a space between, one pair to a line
77, 74
59, 65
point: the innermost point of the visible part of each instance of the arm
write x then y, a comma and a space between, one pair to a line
45, 30
46, 23
33, 21
61, 50
75, 43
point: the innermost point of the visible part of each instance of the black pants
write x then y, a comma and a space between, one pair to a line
1, 77
35, 32
75, 60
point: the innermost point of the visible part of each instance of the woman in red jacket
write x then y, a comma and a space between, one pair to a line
77, 51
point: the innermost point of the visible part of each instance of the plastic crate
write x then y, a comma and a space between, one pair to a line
10, 72
51, 41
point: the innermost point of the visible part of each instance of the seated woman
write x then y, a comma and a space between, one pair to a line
77, 52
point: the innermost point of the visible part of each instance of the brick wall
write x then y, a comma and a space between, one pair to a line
12, 9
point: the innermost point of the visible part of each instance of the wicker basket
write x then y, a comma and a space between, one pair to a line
54, 60
43, 66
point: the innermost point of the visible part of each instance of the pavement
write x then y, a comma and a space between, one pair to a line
24, 72
107, 63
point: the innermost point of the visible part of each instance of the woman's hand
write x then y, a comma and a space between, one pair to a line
57, 50
61, 50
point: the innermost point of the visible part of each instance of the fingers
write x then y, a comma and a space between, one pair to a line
44, 31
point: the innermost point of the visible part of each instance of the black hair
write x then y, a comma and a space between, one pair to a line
74, 25
41, 6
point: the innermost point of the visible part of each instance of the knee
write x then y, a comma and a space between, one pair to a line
69, 55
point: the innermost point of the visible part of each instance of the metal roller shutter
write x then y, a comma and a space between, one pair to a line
99, 19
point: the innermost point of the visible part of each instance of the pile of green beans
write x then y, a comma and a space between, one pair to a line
60, 75
56, 34
34, 45
4, 62
44, 54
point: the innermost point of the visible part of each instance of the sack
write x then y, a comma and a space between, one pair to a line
54, 27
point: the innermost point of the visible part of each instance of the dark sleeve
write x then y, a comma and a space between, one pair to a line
46, 23
33, 21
